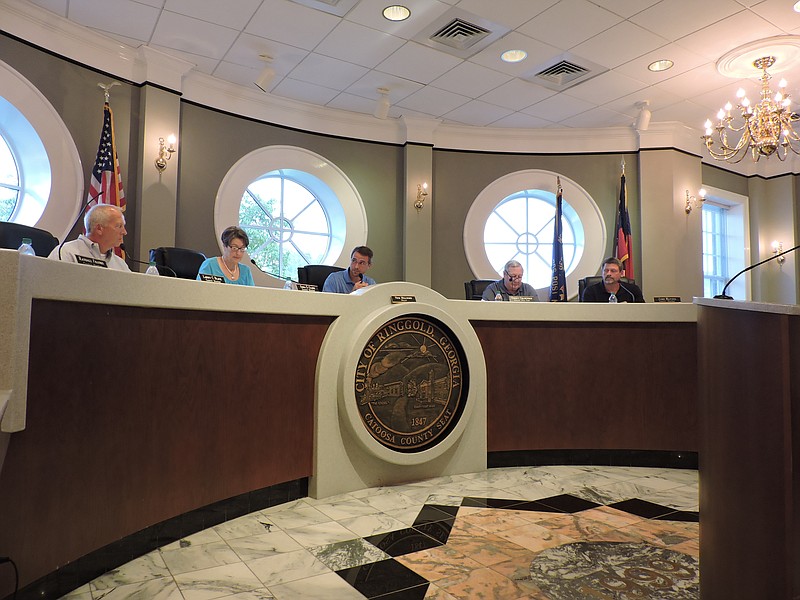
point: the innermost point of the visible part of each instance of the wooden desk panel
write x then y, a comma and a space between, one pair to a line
137, 415
571, 385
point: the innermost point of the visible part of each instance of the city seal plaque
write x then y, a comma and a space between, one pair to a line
411, 383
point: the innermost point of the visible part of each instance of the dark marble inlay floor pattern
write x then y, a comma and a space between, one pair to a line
546, 533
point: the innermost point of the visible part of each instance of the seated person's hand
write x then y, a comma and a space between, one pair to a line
359, 285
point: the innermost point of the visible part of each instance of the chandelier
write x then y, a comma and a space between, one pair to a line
765, 129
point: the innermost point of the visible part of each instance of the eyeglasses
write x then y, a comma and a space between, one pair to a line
513, 277
360, 263
237, 248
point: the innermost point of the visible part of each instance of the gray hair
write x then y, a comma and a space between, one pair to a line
99, 214
511, 264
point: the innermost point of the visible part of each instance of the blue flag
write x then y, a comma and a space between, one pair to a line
558, 287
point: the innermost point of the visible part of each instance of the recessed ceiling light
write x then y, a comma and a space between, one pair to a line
660, 65
513, 56
797, 6
396, 13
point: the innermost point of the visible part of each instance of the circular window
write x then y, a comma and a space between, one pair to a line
37, 155
513, 218
521, 228
296, 207
290, 217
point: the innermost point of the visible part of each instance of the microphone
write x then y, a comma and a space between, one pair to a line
724, 296
633, 297
75, 222
141, 262
255, 264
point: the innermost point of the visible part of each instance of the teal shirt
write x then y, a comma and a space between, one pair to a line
211, 266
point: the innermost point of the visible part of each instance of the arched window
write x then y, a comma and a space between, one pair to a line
37, 155
9, 181
513, 218
290, 217
297, 207
521, 228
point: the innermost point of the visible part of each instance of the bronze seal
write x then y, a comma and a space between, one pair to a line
411, 383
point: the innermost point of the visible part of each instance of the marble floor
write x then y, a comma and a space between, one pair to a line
544, 533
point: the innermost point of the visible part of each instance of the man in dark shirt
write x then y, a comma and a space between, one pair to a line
510, 285
612, 289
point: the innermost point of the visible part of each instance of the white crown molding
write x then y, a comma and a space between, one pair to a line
161, 68
144, 64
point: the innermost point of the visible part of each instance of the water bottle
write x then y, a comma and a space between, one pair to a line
612, 299
152, 269
498, 297
26, 248
289, 285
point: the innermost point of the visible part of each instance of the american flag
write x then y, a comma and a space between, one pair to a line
106, 184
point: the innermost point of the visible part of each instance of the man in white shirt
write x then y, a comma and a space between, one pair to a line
105, 228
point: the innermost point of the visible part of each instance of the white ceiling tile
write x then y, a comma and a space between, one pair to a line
687, 112
657, 98
538, 53
304, 91
370, 14
697, 81
625, 8
353, 103
779, 13
134, 43
58, 7
517, 94
434, 102
677, 18
193, 35
203, 64
519, 120
558, 107
683, 59
418, 63
585, 20
618, 45
292, 24
358, 44
469, 79
327, 72
153, 3
126, 18
605, 87
477, 113
399, 88
511, 13
247, 48
241, 75
717, 39
229, 14
591, 118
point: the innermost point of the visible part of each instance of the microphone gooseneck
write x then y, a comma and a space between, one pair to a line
724, 296
275, 275
141, 262
75, 222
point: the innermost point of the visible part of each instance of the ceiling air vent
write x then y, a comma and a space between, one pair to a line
460, 34
564, 71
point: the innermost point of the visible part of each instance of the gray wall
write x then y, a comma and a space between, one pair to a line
73, 92
460, 176
212, 142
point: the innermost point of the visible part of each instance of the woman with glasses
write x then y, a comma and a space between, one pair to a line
227, 266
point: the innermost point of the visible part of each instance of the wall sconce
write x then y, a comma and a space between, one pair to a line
422, 193
165, 152
777, 248
694, 201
